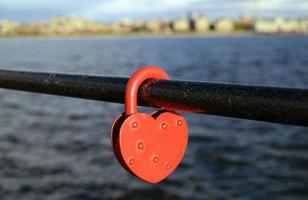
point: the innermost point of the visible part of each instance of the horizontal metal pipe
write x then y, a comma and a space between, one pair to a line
271, 104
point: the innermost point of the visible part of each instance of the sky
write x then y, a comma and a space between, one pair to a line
111, 10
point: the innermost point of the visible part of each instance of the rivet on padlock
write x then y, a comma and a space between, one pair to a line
149, 146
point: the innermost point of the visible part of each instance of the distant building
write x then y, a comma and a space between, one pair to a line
180, 25
245, 22
266, 26
304, 25
290, 26
7, 27
156, 26
67, 25
193, 22
224, 25
36, 27
278, 25
124, 26
199, 23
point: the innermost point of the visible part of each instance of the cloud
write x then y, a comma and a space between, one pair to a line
27, 4
139, 9
131, 7
44, 4
251, 4
25, 10
304, 6
276, 5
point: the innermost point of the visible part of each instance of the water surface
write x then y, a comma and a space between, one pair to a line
58, 148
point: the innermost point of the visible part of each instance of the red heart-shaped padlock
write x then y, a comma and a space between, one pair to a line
148, 146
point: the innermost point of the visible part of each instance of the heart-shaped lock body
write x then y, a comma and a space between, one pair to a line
150, 146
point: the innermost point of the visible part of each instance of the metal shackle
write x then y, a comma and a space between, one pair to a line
135, 81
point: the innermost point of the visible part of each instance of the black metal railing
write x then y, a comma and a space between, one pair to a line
271, 104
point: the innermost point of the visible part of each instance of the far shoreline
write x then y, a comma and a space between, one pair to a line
148, 35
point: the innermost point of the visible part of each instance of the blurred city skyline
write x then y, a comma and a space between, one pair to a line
111, 10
